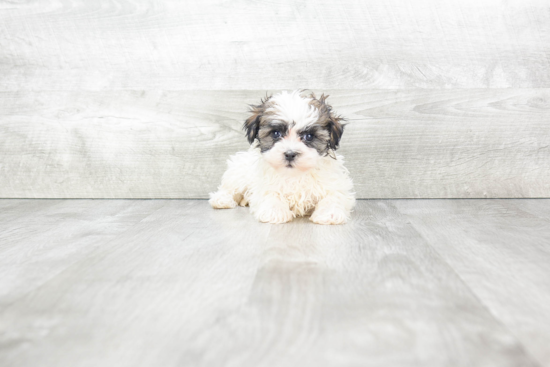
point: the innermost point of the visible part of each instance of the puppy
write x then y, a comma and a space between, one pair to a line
291, 168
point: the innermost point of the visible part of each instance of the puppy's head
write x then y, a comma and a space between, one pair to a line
294, 132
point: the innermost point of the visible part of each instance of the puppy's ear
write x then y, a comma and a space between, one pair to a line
336, 130
335, 124
252, 124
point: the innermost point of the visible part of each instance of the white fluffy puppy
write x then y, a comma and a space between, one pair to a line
291, 168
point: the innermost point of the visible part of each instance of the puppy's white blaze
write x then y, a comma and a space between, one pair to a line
292, 136
292, 140
293, 108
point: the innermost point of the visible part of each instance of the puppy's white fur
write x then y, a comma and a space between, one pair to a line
277, 190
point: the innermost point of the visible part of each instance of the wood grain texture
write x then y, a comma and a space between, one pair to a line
398, 144
41, 239
501, 249
189, 285
282, 44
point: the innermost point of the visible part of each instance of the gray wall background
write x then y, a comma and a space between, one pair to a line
145, 99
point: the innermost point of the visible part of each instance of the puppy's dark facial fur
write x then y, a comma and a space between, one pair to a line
320, 138
267, 135
332, 123
263, 124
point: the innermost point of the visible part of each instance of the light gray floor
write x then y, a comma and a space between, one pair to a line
176, 283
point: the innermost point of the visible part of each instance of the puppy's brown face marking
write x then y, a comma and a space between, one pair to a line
271, 131
331, 123
316, 137
296, 122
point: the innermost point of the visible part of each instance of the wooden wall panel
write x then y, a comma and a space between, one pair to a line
143, 98
150, 144
282, 44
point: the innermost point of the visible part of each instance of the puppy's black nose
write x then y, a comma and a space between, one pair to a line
290, 155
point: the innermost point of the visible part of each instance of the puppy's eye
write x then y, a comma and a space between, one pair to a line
308, 137
276, 134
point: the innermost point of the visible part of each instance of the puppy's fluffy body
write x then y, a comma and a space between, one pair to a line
291, 168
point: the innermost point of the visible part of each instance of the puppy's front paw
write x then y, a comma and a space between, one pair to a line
329, 216
242, 200
222, 200
274, 214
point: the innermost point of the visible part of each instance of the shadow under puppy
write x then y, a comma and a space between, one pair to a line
291, 168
